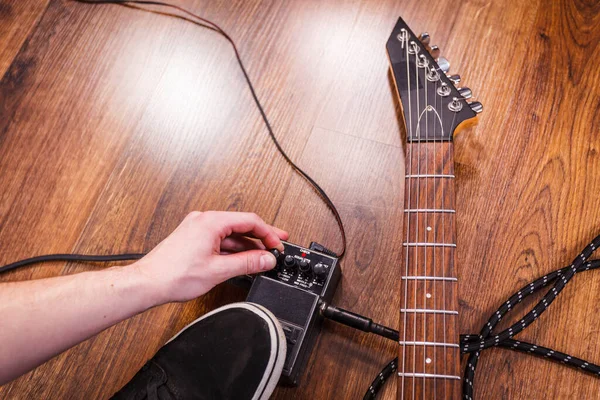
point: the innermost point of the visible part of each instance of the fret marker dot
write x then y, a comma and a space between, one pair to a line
428, 360
428, 229
428, 295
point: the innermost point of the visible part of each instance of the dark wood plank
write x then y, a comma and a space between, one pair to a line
114, 123
17, 19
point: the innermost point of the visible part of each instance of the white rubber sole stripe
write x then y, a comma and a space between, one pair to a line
278, 346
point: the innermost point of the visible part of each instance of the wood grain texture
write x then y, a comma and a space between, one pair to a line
17, 19
114, 123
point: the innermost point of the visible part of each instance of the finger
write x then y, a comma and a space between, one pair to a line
237, 243
245, 263
246, 223
283, 235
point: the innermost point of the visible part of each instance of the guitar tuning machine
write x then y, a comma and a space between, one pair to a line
444, 64
444, 90
425, 38
454, 78
465, 92
434, 51
403, 36
455, 105
476, 106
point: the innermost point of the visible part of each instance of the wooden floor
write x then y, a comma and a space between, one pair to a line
115, 123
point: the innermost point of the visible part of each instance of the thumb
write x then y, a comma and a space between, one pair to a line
248, 262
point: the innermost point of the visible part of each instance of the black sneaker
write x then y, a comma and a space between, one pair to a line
234, 352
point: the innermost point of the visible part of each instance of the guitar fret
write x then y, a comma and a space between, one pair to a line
421, 244
434, 376
426, 311
430, 278
429, 310
428, 210
426, 369
435, 344
430, 176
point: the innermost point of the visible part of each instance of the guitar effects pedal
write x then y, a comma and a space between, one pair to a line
293, 291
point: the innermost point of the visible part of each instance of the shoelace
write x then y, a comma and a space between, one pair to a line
152, 391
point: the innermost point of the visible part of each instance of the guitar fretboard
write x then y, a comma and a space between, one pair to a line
428, 363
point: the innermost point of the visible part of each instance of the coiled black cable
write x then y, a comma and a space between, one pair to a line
205, 23
474, 344
380, 379
487, 340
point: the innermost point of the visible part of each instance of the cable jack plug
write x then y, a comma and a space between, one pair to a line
321, 249
357, 321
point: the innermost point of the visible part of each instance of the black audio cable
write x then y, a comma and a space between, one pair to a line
71, 257
357, 321
205, 23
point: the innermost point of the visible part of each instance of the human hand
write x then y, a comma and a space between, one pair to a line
208, 248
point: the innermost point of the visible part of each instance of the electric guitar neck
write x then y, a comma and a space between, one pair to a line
433, 110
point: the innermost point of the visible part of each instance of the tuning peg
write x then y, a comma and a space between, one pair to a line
465, 92
476, 106
454, 78
424, 38
444, 64
434, 51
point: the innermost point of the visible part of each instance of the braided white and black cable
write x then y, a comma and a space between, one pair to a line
474, 344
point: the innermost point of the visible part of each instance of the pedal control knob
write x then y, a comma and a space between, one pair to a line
276, 253
320, 270
289, 261
304, 266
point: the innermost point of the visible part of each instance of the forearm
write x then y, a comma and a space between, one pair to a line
42, 318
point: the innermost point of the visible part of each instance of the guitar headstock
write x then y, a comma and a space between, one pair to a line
433, 106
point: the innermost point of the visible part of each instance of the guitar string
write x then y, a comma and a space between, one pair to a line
428, 215
409, 133
418, 133
443, 217
439, 220
434, 230
451, 258
435, 237
424, 232
435, 283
